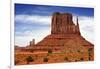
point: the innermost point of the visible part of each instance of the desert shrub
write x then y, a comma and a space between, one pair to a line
78, 51
89, 53
49, 51
81, 59
90, 49
66, 58
45, 59
76, 60
29, 59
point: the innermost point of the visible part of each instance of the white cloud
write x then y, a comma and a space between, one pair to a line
86, 27
27, 36
22, 40
23, 37
33, 19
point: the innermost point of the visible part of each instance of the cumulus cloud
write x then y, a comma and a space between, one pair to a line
33, 19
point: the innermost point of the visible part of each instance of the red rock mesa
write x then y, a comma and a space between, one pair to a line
66, 39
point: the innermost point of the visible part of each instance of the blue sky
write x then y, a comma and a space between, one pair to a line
48, 10
33, 21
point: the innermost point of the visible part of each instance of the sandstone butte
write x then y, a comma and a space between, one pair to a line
64, 44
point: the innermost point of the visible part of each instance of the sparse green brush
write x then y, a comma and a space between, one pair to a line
29, 59
78, 51
89, 53
81, 59
90, 49
66, 58
45, 59
49, 51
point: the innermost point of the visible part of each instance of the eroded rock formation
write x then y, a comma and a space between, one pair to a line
62, 24
65, 39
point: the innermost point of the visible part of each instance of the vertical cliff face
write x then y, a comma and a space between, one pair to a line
62, 24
